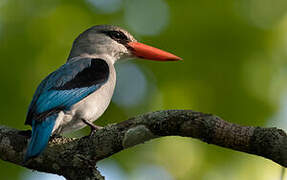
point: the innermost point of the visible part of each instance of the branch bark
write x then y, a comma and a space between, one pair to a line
76, 158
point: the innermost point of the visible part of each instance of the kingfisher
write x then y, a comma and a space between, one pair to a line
78, 92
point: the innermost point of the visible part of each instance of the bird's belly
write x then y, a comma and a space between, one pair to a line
90, 108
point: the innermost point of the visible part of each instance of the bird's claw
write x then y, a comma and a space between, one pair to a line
93, 127
92, 132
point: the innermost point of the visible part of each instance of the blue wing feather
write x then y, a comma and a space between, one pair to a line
40, 136
56, 79
62, 89
68, 85
63, 98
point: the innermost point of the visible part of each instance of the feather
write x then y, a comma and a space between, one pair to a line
63, 88
68, 85
41, 132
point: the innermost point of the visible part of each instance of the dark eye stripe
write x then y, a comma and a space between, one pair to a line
118, 36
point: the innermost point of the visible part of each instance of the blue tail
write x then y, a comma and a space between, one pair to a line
41, 132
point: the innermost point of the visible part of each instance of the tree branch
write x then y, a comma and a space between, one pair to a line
74, 158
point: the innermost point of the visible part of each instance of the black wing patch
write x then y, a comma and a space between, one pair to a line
118, 36
96, 73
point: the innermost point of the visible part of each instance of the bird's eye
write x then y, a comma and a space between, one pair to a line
117, 35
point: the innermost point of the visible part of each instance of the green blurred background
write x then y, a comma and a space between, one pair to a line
235, 66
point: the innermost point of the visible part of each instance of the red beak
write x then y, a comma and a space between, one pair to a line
147, 52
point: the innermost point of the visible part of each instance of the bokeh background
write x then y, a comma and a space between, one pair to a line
235, 66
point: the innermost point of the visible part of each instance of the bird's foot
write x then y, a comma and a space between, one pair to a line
93, 131
93, 127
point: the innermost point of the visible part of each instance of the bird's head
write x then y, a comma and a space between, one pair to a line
115, 43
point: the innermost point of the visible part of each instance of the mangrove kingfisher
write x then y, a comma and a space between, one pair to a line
79, 91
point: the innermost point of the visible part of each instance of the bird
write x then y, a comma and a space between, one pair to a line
79, 91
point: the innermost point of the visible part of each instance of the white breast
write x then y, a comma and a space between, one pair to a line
90, 108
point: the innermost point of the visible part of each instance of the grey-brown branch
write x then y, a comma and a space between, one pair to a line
76, 158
